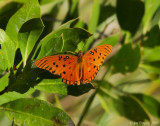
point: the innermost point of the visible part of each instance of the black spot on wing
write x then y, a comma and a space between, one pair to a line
95, 49
60, 57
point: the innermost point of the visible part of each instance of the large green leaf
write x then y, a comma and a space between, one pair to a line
71, 37
29, 11
127, 59
131, 108
151, 104
34, 112
7, 51
48, 47
129, 14
128, 106
28, 35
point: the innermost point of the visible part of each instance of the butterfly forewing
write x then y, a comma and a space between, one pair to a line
64, 65
98, 54
93, 59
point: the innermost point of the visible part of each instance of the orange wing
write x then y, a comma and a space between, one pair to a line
64, 65
92, 60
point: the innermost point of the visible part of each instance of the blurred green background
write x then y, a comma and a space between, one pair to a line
127, 89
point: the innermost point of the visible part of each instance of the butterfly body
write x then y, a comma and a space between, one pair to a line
76, 69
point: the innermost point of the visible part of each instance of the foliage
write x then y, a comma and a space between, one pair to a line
127, 86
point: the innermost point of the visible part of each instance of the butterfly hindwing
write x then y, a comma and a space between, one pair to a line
89, 72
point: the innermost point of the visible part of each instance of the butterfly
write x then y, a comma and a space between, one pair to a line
76, 69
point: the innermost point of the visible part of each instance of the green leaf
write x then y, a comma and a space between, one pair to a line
94, 16
103, 102
73, 10
10, 96
55, 86
127, 59
49, 46
51, 40
150, 9
4, 81
155, 19
28, 35
7, 51
58, 87
106, 12
112, 40
77, 90
71, 38
34, 112
151, 104
153, 37
42, 2
65, 25
6, 12
151, 54
29, 11
129, 14
150, 69
131, 108
23, 82
93, 22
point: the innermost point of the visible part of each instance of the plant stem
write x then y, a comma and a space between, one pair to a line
89, 102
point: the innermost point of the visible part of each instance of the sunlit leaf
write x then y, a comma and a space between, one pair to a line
36, 112
29, 11
7, 51
52, 86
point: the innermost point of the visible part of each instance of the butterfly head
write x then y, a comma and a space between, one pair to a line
80, 54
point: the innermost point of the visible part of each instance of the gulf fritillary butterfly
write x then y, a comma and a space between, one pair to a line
76, 69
